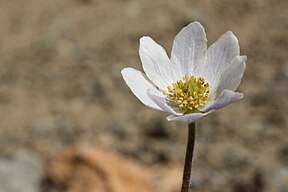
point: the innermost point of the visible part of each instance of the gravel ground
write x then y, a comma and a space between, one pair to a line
60, 85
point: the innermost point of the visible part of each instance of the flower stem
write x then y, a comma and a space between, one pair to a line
188, 158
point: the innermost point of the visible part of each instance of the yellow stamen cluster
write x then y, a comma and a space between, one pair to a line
188, 94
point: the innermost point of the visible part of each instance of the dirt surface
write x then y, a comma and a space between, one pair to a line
60, 85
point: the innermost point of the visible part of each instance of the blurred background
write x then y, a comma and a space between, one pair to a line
69, 123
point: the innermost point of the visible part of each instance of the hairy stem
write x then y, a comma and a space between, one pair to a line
188, 158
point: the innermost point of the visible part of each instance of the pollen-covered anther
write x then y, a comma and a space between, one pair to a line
188, 94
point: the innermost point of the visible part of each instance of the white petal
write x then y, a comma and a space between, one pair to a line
156, 63
226, 97
189, 48
139, 85
219, 56
231, 76
189, 118
161, 102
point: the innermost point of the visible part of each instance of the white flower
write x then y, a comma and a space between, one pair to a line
195, 81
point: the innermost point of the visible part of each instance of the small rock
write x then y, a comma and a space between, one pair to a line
21, 173
277, 180
94, 169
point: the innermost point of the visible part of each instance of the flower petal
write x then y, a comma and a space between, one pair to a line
161, 102
189, 118
231, 76
156, 63
189, 49
225, 98
138, 83
219, 56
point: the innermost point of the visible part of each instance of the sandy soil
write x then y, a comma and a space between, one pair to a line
60, 85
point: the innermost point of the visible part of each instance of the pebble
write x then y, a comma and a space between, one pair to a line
21, 173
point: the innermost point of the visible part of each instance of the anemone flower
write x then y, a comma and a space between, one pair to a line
193, 83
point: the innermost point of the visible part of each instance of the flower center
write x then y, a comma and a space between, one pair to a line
188, 94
